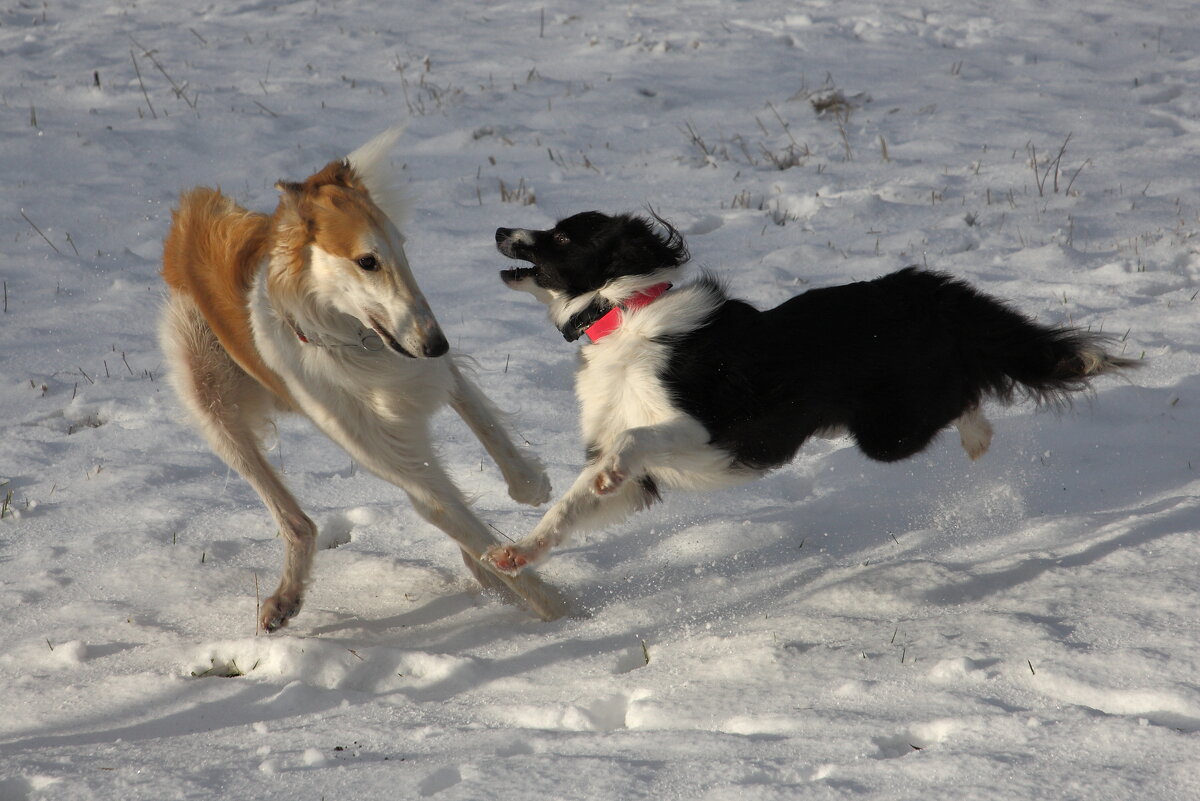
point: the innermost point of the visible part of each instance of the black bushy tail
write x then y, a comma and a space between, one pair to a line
1057, 363
1017, 357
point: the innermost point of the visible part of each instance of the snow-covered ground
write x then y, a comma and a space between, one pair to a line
1024, 627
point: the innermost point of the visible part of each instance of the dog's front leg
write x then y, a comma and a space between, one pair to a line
525, 475
551, 530
580, 509
603, 492
674, 443
435, 497
437, 500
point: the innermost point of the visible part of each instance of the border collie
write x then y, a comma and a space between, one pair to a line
314, 309
689, 388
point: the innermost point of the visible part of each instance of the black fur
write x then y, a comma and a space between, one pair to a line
586, 251
893, 360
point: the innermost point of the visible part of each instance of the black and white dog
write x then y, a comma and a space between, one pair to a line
693, 389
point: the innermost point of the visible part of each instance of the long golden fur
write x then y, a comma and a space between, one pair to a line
314, 309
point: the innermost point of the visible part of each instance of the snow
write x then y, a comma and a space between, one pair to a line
1022, 627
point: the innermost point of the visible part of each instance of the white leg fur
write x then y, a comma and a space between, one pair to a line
975, 432
231, 408
604, 493
524, 474
634, 449
401, 453
580, 509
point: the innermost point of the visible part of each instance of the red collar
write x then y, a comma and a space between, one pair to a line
612, 320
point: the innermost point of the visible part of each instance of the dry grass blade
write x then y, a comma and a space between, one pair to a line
39, 230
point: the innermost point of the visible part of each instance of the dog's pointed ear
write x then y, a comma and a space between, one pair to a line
342, 173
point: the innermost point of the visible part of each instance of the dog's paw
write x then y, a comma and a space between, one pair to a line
975, 433
532, 488
277, 611
620, 461
508, 559
612, 471
488, 578
608, 480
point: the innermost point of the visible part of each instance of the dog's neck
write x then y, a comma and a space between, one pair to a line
367, 339
602, 317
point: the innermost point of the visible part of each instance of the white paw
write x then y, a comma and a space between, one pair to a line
507, 559
609, 478
975, 433
532, 488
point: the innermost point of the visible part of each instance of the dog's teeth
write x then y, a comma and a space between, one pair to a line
518, 273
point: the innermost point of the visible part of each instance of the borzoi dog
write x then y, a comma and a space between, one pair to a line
314, 309
689, 388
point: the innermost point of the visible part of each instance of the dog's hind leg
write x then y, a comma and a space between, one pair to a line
975, 432
230, 409
892, 433
524, 474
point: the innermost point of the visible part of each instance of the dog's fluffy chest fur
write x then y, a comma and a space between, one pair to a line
619, 383
621, 386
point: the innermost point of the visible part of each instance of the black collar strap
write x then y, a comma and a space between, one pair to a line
580, 322
601, 318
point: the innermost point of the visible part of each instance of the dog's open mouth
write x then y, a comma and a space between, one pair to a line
515, 275
388, 339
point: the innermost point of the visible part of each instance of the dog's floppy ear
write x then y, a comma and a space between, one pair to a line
642, 248
338, 172
292, 210
674, 248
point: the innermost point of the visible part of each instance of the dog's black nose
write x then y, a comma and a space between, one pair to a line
503, 234
436, 346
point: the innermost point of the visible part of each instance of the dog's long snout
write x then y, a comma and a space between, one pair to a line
503, 235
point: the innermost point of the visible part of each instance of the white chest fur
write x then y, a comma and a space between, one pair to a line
341, 386
620, 388
618, 383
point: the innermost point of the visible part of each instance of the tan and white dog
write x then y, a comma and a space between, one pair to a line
314, 309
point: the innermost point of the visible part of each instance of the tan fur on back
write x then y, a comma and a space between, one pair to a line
210, 254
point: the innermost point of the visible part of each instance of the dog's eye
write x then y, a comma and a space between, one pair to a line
561, 239
368, 262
